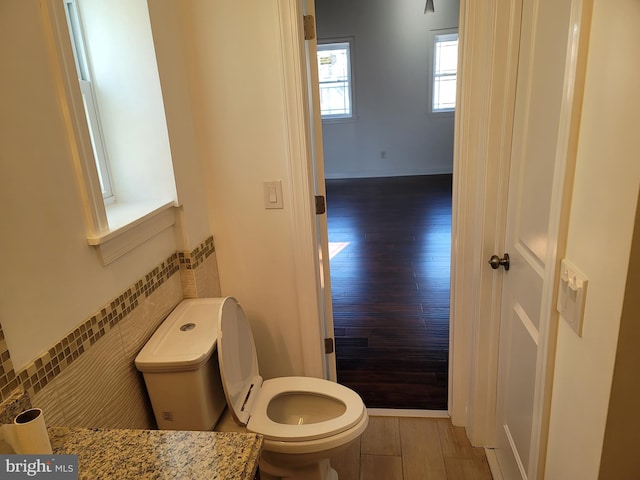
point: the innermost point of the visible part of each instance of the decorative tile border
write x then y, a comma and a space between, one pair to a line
191, 260
51, 363
8, 379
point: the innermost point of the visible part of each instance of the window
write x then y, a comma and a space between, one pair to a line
334, 72
89, 99
113, 90
445, 64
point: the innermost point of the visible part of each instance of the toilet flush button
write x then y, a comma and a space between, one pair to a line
187, 326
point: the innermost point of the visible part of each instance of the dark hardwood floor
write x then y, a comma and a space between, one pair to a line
390, 288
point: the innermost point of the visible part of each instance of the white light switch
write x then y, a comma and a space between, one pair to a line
572, 295
273, 194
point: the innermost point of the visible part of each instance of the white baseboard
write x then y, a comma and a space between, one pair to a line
361, 175
493, 463
396, 412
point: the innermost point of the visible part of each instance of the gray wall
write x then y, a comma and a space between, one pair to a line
392, 62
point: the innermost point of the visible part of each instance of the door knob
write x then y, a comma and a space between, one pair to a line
495, 261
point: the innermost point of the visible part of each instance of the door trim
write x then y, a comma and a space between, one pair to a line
489, 42
315, 118
301, 206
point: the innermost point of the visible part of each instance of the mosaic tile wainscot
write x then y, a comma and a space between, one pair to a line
88, 378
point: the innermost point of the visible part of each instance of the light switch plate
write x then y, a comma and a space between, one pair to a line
273, 194
572, 295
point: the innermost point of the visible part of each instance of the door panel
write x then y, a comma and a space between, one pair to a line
527, 284
534, 208
520, 381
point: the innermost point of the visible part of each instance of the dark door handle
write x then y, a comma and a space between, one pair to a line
495, 261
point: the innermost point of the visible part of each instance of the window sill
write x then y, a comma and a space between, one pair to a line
331, 120
443, 114
130, 225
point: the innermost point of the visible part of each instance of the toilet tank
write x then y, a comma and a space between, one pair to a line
179, 364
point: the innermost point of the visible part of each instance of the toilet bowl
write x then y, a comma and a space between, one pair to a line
303, 420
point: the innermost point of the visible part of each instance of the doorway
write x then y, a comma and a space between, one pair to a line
388, 180
390, 288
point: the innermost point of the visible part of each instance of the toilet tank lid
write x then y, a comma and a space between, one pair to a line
185, 340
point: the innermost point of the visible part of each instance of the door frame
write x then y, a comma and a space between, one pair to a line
311, 250
489, 33
489, 44
482, 67
315, 119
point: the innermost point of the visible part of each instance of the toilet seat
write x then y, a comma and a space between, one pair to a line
259, 422
249, 397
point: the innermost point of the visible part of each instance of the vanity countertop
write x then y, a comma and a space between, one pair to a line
158, 454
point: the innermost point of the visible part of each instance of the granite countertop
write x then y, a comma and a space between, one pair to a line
158, 454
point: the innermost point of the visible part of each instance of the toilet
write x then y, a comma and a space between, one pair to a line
304, 420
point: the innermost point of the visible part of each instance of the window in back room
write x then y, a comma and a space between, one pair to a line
445, 66
336, 83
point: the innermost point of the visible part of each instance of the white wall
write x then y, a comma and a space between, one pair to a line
227, 81
51, 279
233, 56
187, 163
392, 62
602, 217
119, 41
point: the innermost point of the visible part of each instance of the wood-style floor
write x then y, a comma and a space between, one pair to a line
394, 448
390, 288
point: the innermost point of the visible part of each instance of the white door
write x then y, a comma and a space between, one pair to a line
308, 7
545, 102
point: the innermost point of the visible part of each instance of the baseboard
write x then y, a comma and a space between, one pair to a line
363, 175
493, 463
401, 412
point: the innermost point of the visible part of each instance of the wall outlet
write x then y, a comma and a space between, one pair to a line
572, 295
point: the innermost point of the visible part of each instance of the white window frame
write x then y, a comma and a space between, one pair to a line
339, 44
438, 37
113, 228
91, 109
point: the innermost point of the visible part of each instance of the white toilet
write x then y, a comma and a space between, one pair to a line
304, 420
